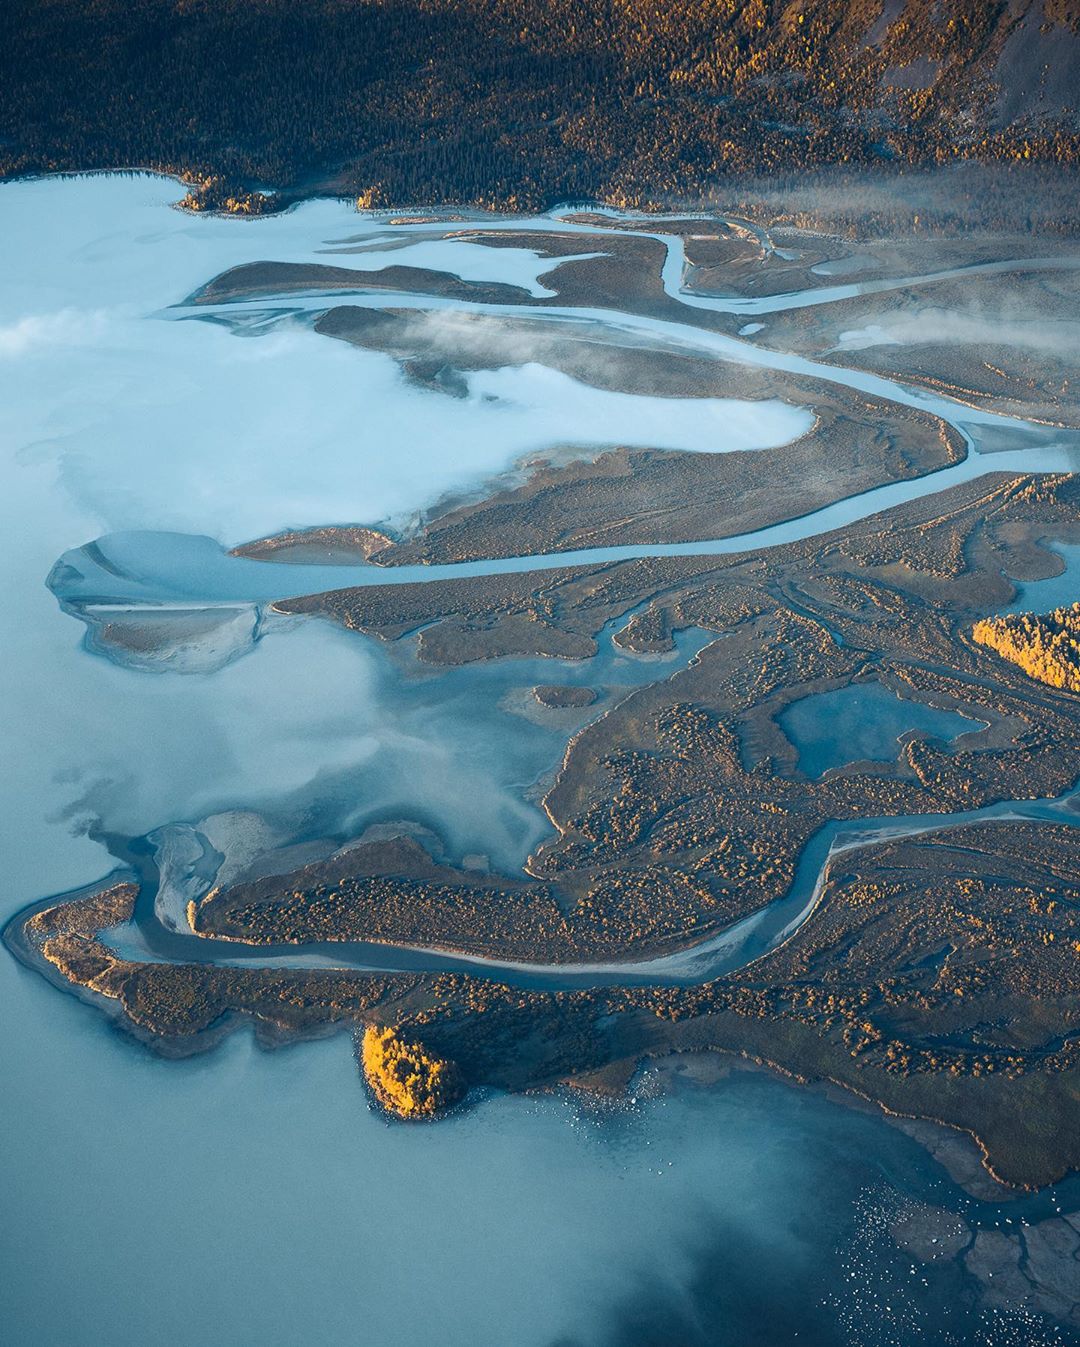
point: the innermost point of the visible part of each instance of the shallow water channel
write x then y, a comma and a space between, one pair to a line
253, 1198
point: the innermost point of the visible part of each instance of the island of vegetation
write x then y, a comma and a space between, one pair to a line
406, 1080
1047, 647
560, 695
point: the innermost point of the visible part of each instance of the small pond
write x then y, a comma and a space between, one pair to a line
862, 722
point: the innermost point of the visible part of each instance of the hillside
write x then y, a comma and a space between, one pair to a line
525, 102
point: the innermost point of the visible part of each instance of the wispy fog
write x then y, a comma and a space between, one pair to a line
51, 332
928, 327
149, 422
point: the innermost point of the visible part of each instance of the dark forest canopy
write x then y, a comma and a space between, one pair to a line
525, 102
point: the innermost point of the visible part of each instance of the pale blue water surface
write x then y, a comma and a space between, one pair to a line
253, 1198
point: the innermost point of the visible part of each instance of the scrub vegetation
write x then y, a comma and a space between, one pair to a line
1047, 648
524, 102
407, 1081
936, 975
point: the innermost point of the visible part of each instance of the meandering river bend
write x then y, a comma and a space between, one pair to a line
749, 1207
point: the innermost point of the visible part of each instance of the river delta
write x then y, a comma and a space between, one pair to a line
542, 655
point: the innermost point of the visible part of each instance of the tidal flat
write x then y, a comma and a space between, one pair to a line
418, 652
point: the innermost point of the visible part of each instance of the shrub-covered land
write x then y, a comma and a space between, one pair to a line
1047, 648
525, 102
407, 1080
937, 975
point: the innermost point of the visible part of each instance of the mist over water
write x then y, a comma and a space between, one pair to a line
177, 425
251, 1197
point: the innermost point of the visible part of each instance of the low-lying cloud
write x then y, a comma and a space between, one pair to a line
50, 331
932, 327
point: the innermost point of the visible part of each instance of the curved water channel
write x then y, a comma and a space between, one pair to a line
157, 568
147, 938
118, 1168
157, 571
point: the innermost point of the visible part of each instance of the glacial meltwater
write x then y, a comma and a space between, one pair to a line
250, 1197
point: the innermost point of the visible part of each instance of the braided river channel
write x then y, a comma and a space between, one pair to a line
253, 1197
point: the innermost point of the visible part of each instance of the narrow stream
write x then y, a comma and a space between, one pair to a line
161, 568
124, 572
147, 939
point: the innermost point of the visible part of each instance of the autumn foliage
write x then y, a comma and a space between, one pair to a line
1046, 647
404, 1078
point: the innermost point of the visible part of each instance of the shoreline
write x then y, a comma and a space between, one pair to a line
59, 971
768, 187
960, 1144
268, 1039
